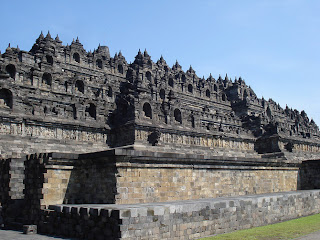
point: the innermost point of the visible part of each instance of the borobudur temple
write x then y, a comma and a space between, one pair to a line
95, 147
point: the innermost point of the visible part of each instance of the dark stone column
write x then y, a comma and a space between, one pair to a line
12, 189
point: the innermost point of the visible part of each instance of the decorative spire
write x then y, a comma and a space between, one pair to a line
57, 39
190, 71
18, 49
210, 78
161, 61
120, 54
139, 53
226, 78
77, 40
146, 53
41, 36
176, 66
48, 35
138, 58
8, 48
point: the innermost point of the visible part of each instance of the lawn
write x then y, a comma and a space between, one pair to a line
285, 230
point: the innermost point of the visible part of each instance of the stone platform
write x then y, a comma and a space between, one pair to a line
139, 194
126, 176
189, 219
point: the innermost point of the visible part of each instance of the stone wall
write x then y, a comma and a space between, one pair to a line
144, 176
22, 137
178, 220
171, 182
93, 181
118, 192
4, 179
49, 130
12, 188
125, 176
309, 173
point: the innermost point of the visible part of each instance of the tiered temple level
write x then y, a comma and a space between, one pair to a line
79, 101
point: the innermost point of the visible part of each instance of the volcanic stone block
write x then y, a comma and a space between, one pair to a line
30, 229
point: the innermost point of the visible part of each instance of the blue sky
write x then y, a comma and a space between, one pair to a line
273, 44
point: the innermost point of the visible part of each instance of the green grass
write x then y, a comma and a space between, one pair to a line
285, 230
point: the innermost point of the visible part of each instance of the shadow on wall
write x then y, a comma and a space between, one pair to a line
11, 189
309, 175
67, 178
120, 120
92, 180
51, 179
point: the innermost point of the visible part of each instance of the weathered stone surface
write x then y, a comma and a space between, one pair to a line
58, 98
309, 172
128, 176
30, 229
180, 219
85, 128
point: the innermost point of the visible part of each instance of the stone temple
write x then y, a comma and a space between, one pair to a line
95, 147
